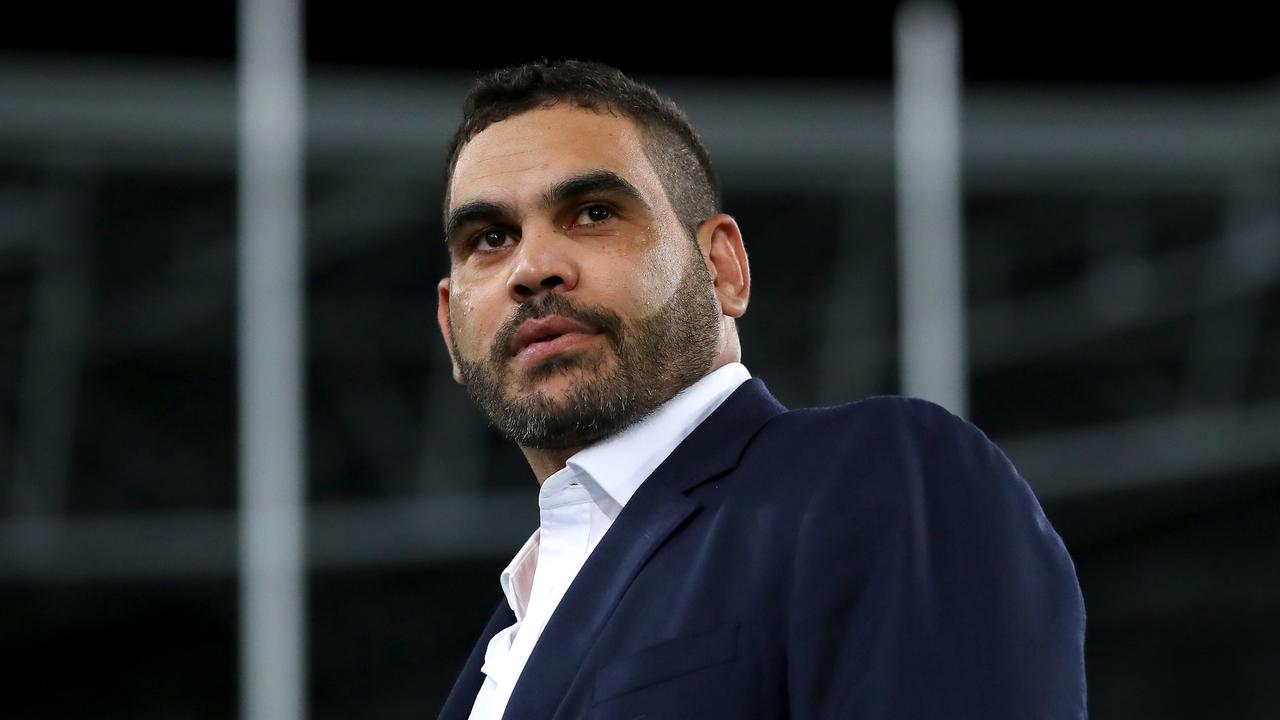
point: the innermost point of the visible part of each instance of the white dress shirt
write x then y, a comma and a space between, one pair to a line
577, 505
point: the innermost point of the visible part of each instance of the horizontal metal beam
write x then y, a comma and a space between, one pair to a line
1146, 452
176, 544
1007, 333
182, 116
1130, 454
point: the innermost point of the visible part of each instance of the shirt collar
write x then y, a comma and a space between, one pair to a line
520, 572
613, 469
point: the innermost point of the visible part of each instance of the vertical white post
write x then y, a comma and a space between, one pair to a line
931, 257
272, 589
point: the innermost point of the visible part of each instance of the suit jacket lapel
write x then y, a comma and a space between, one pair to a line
656, 509
463, 695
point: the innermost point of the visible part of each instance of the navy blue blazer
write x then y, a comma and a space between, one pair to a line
881, 560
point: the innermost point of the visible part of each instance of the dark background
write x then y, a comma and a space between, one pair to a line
1148, 426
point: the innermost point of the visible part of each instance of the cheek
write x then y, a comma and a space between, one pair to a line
466, 316
632, 288
655, 285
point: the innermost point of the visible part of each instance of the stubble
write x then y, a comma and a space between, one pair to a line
654, 358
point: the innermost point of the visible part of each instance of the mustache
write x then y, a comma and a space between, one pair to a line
599, 319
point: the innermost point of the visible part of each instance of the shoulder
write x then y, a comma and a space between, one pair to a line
885, 428
907, 481
879, 414
884, 413
919, 546
894, 457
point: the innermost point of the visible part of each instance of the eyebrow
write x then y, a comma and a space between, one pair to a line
588, 183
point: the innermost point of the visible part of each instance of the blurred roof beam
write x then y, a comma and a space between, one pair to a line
1059, 464
182, 116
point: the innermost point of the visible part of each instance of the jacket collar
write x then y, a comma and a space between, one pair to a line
657, 508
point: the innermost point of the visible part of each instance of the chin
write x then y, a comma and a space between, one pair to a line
555, 386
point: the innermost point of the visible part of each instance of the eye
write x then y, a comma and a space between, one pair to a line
492, 239
593, 214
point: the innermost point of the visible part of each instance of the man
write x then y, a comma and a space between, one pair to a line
704, 552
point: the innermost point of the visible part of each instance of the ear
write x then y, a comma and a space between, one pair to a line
726, 258
442, 317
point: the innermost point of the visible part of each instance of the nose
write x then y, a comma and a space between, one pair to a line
544, 262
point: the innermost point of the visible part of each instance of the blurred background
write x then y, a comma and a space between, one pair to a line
1120, 184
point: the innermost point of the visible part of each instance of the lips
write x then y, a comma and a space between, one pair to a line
533, 333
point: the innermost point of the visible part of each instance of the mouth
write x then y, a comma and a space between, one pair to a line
541, 338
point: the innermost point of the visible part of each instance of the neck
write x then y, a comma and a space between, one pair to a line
545, 463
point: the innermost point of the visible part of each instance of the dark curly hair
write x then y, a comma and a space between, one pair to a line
671, 144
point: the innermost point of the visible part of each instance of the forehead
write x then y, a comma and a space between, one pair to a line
517, 158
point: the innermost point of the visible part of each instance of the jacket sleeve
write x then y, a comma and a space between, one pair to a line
927, 582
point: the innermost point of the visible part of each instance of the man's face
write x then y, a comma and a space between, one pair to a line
576, 302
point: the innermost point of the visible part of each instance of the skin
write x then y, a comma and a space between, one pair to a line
603, 249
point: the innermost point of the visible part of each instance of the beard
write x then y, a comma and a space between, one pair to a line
657, 356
